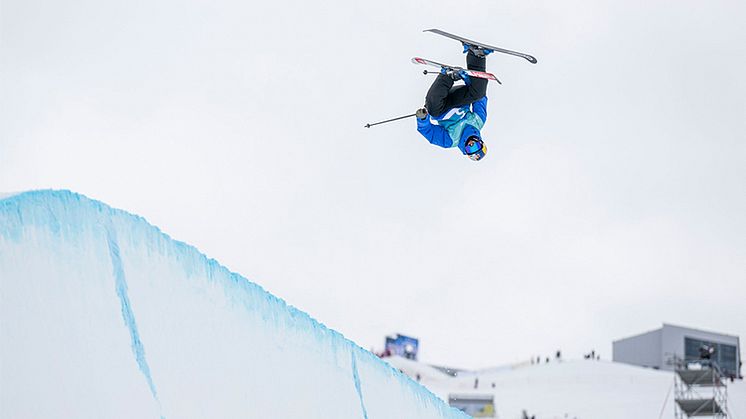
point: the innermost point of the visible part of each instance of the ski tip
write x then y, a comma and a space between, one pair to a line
418, 60
366, 126
531, 59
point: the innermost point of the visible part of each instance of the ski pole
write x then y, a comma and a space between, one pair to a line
389, 120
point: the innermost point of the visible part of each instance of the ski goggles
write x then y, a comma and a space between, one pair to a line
479, 154
475, 149
473, 145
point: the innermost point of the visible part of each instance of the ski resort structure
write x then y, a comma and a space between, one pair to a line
701, 390
668, 347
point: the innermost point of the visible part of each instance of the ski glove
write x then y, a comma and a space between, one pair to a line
456, 74
464, 76
421, 113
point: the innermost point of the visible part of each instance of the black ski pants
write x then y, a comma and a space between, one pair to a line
442, 96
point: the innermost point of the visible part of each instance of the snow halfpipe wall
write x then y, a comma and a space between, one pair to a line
104, 316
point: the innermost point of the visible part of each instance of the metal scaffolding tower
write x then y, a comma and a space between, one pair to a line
700, 390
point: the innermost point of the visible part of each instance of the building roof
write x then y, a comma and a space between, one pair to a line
665, 325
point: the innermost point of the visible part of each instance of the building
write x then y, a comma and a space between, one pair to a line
474, 405
670, 345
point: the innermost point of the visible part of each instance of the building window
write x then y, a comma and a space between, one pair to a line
725, 355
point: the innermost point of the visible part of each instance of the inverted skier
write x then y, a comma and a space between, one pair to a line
460, 111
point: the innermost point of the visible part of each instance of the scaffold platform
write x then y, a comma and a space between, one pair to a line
700, 407
702, 377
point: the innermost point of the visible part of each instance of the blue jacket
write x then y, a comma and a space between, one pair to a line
455, 126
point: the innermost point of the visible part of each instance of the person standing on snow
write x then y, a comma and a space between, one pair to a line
460, 111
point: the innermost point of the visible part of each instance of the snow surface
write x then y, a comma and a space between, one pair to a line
102, 315
581, 389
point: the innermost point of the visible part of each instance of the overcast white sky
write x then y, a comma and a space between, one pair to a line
613, 197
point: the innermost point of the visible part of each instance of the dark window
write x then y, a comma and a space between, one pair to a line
725, 355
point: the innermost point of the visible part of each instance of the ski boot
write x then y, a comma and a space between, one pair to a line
477, 50
456, 74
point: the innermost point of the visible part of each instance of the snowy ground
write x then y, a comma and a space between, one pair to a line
579, 389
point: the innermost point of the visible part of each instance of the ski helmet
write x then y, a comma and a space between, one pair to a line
475, 148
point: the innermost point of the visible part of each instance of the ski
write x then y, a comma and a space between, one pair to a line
463, 40
471, 73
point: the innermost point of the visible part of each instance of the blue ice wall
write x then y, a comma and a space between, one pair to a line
104, 316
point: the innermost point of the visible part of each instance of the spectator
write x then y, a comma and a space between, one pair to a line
706, 352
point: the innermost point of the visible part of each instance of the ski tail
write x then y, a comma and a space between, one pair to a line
483, 75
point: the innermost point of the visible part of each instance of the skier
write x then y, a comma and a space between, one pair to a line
460, 111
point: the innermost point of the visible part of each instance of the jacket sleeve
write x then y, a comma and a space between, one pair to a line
435, 134
480, 108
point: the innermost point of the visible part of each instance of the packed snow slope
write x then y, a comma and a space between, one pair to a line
104, 316
581, 389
